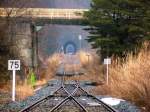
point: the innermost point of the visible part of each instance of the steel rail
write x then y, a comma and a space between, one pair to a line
71, 95
68, 98
109, 108
35, 104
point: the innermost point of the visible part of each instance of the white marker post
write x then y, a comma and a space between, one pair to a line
80, 39
13, 65
107, 61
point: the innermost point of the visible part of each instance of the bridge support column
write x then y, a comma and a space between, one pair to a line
34, 43
20, 35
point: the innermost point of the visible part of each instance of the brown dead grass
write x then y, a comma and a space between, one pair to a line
91, 64
41, 82
52, 65
23, 91
5, 94
130, 80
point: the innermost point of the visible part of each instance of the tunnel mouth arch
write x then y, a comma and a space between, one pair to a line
70, 48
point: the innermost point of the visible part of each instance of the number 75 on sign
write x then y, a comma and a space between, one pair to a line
13, 64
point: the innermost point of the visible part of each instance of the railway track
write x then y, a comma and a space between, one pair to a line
69, 98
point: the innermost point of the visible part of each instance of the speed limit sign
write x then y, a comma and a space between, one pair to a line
13, 65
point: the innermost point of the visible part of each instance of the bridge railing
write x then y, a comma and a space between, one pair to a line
43, 13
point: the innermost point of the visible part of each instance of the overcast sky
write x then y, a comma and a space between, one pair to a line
55, 3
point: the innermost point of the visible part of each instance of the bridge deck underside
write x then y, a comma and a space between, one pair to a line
43, 21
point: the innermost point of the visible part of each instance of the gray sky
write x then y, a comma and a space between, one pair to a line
53, 3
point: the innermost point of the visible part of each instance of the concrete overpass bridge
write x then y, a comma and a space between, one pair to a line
45, 15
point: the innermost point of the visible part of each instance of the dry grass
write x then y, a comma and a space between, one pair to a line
41, 82
23, 91
52, 65
86, 58
131, 80
91, 64
5, 94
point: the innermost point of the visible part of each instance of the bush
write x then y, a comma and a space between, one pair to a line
31, 78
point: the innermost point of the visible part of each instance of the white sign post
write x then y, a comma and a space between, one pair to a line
80, 39
107, 61
13, 65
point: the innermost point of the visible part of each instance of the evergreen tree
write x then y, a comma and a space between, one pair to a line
118, 26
